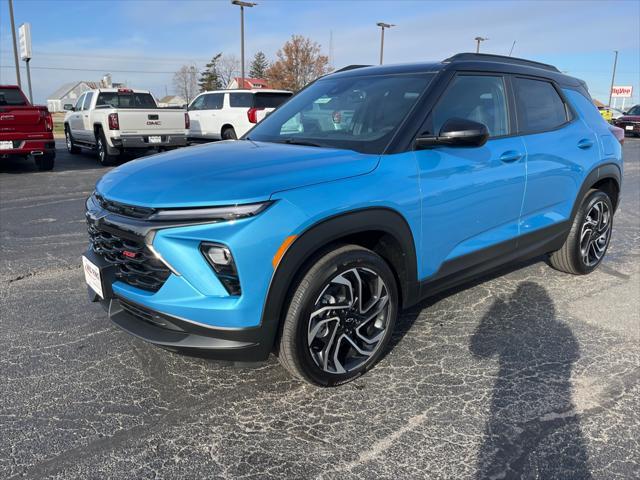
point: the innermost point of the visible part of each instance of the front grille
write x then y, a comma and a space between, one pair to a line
134, 262
123, 209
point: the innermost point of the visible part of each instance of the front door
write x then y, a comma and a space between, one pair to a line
471, 196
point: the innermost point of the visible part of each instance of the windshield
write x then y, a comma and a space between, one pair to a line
356, 113
11, 96
635, 110
126, 100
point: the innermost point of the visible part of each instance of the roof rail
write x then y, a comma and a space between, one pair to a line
350, 67
501, 59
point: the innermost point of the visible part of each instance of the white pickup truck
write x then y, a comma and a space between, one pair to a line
116, 120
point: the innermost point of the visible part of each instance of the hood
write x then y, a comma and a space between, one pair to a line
230, 172
629, 118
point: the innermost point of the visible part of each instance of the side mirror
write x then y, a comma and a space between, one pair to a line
69, 107
456, 132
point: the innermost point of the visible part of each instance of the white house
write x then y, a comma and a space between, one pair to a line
70, 92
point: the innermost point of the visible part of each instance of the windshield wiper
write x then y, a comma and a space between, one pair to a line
294, 141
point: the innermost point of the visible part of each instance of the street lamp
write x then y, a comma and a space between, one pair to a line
242, 5
382, 26
478, 40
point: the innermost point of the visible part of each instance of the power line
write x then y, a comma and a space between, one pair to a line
102, 70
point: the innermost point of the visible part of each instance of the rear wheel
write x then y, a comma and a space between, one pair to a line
45, 161
341, 316
589, 237
71, 146
229, 134
104, 157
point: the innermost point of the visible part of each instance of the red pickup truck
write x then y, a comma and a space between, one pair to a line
25, 129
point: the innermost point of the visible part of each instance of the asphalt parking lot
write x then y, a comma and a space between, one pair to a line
531, 373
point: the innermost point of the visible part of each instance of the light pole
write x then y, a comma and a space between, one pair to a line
382, 26
478, 40
242, 4
15, 46
613, 76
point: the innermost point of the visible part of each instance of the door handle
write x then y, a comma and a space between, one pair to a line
510, 156
585, 143
86, 116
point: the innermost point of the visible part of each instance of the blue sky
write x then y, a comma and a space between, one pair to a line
142, 41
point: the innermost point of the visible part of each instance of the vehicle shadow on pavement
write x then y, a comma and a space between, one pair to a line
533, 430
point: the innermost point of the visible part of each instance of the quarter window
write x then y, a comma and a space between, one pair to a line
480, 98
198, 103
539, 105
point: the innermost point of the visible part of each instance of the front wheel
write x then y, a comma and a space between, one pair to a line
71, 146
340, 318
588, 240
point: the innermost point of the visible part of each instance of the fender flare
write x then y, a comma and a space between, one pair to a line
330, 230
601, 172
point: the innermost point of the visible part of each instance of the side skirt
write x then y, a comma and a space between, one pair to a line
464, 269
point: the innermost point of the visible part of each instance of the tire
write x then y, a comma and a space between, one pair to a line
317, 347
45, 161
71, 146
229, 133
588, 240
104, 157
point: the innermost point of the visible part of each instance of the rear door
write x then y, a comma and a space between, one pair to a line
211, 120
471, 196
560, 148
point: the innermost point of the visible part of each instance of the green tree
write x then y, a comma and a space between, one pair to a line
210, 76
259, 66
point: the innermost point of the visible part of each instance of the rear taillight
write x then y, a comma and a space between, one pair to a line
252, 114
114, 123
618, 133
187, 121
48, 121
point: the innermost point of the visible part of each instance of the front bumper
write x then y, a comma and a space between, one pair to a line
142, 141
630, 128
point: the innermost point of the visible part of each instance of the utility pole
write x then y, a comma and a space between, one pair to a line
382, 26
242, 4
478, 40
613, 76
15, 45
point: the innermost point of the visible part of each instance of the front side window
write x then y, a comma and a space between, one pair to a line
244, 100
539, 105
213, 101
360, 113
480, 98
87, 101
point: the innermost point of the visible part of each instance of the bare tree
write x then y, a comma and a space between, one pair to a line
299, 62
228, 69
185, 82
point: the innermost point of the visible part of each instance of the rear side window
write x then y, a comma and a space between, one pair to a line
87, 101
539, 105
270, 99
480, 98
11, 96
244, 100
213, 101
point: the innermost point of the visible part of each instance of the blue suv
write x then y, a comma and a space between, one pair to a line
369, 190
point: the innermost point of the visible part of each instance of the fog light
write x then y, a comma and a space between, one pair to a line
221, 260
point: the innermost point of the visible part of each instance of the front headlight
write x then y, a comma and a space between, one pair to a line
224, 213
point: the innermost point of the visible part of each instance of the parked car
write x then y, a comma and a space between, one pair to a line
25, 129
308, 242
113, 121
229, 114
630, 121
610, 113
